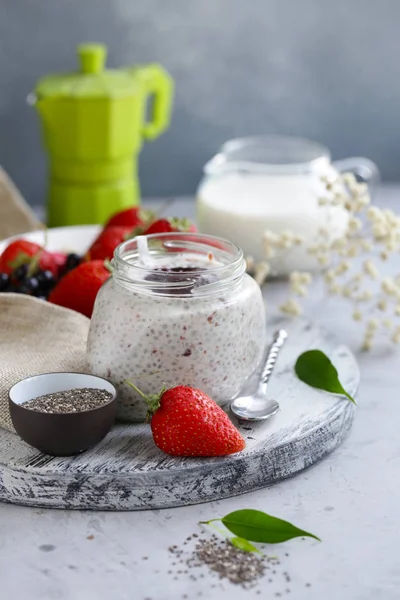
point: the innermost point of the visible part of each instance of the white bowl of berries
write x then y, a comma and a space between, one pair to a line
68, 265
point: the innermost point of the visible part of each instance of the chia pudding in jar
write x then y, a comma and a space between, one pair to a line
179, 310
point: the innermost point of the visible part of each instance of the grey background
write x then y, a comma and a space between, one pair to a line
326, 69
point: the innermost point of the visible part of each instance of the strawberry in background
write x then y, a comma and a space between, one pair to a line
170, 225
130, 223
22, 252
104, 245
137, 218
78, 289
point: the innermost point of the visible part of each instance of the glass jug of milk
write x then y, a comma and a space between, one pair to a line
274, 183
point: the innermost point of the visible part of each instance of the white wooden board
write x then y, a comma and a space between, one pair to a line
128, 472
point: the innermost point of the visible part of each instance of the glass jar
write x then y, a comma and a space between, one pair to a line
275, 183
178, 310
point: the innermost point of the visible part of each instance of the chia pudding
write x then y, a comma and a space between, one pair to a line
184, 314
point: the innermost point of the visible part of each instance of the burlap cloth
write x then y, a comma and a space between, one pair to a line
35, 336
16, 216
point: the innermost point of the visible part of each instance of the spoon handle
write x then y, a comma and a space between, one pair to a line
277, 343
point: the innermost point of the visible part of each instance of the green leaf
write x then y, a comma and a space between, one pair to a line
243, 544
257, 526
314, 368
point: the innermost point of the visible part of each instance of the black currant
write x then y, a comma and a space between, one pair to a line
4, 281
32, 284
45, 279
22, 289
20, 272
73, 260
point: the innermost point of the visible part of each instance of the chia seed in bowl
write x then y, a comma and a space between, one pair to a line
69, 401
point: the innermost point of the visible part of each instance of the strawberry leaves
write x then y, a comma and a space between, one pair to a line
152, 400
22, 258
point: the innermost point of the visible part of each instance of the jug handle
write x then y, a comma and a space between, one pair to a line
159, 85
364, 168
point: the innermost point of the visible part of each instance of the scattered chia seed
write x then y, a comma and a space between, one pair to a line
69, 401
229, 563
239, 567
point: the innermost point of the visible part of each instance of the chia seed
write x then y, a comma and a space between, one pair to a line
239, 567
69, 401
229, 563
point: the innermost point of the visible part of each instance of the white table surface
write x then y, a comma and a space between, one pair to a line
351, 500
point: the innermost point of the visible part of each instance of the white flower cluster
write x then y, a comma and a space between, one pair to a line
352, 264
299, 282
275, 242
291, 307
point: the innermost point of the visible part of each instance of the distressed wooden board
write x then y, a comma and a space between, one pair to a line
127, 472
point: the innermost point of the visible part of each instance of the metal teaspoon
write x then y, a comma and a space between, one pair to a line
259, 406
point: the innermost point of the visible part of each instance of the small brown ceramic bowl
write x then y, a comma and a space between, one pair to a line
60, 434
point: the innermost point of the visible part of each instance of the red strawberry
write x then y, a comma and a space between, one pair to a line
135, 218
104, 245
170, 225
60, 260
78, 288
22, 252
186, 422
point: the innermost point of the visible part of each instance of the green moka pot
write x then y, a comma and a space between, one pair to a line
94, 123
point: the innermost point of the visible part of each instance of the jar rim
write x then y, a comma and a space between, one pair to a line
228, 255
